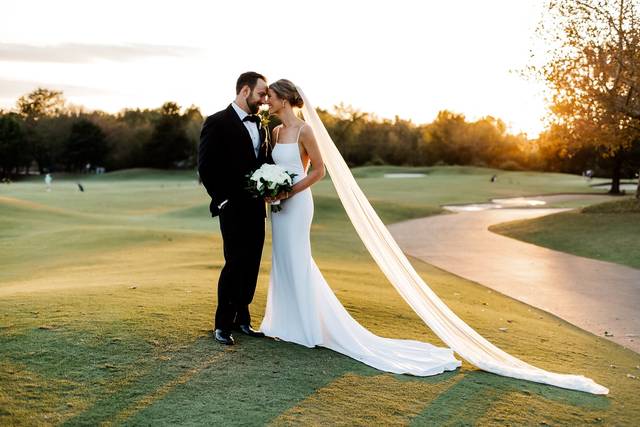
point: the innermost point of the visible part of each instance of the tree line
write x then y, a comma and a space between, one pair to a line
44, 134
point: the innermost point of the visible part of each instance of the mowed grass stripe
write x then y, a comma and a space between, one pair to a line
377, 399
162, 391
483, 398
150, 380
520, 407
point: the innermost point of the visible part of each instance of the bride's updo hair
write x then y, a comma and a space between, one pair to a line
285, 89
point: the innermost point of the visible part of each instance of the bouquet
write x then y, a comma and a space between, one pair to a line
269, 181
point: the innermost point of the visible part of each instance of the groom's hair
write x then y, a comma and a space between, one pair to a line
250, 78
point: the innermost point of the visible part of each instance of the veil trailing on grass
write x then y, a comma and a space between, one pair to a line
459, 336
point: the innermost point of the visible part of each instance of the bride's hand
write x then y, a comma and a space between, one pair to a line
281, 196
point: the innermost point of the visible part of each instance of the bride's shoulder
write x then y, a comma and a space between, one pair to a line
307, 138
305, 130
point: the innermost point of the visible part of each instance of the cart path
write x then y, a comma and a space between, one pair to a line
594, 295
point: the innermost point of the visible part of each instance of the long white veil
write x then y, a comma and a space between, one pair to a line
459, 336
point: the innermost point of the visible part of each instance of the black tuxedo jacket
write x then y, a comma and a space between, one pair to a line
226, 156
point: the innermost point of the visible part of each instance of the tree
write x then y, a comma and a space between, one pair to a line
40, 103
593, 69
12, 145
127, 133
86, 144
169, 144
194, 120
345, 128
42, 138
445, 135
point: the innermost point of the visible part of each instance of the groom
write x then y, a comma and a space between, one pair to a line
232, 145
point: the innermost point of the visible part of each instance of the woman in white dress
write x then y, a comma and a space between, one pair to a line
301, 307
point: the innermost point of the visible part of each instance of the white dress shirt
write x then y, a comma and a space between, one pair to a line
251, 127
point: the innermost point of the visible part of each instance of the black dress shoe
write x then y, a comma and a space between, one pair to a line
223, 337
248, 330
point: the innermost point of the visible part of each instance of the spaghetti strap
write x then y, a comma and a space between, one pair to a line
277, 129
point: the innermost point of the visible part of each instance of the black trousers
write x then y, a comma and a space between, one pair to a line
242, 227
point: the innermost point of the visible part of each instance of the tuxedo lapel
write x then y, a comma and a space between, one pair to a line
262, 153
242, 131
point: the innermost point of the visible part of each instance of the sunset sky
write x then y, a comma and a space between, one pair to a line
402, 57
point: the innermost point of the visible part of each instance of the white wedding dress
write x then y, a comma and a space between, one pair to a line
302, 308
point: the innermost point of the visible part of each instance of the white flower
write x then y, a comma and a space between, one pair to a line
274, 176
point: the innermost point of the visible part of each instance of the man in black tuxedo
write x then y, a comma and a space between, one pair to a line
233, 145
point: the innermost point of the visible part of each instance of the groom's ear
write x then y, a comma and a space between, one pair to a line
245, 91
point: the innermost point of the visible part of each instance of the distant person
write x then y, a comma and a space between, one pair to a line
589, 173
87, 168
47, 180
494, 178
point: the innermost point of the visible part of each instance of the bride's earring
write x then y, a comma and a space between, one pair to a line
283, 103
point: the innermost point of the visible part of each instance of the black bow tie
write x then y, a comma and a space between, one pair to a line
252, 118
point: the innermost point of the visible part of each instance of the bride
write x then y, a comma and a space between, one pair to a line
301, 307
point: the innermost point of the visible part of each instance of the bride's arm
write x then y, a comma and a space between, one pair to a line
308, 141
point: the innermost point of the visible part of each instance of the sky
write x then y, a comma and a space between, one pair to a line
401, 57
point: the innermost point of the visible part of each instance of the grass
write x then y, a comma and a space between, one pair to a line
607, 231
106, 299
624, 206
457, 184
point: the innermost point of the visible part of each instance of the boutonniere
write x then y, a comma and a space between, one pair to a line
263, 113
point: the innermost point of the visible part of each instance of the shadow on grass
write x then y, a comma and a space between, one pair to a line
206, 383
253, 382
476, 394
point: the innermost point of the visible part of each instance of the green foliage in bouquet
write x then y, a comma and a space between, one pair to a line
270, 181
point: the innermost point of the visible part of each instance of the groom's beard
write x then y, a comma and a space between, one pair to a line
253, 106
